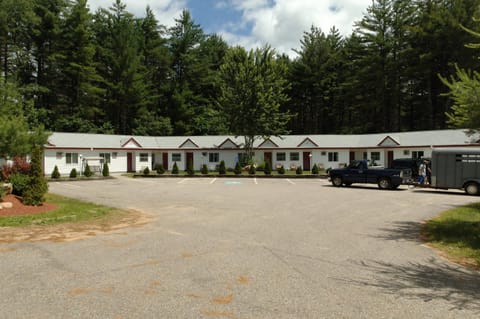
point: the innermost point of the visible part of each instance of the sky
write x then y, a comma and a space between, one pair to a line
254, 23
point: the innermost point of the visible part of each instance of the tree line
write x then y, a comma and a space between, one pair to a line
68, 69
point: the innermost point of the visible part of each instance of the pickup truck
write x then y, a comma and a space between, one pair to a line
359, 172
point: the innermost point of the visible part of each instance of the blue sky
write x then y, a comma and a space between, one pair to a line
253, 23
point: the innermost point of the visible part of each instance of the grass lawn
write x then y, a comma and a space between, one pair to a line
456, 233
68, 210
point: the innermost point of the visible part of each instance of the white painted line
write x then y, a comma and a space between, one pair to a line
288, 180
182, 181
69, 185
255, 181
213, 181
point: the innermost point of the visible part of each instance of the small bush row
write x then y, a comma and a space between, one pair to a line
87, 172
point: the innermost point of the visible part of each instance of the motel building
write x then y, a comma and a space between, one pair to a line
128, 153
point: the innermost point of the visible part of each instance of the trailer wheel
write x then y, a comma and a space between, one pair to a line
471, 188
337, 181
384, 183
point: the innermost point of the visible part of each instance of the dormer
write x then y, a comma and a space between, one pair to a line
228, 143
388, 141
268, 143
307, 143
130, 143
188, 144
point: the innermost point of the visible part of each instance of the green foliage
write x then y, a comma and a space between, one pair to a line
2, 192
299, 170
175, 168
87, 171
315, 169
204, 169
105, 170
35, 192
73, 173
159, 169
267, 169
190, 170
252, 170
281, 170
238, 169
222, 170
146, 171
55, 173
19, 182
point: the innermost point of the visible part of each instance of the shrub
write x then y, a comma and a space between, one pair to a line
252, 170
222, 170
268, 169
190, 170
35, 192
146, 171
175, 168
55, 173
281, 170
160, 169
2, 192
19, 183
204, 169
315, 169
87, 172
260, 167
299, 170
73, 173
105, 170
238, 169
19, 165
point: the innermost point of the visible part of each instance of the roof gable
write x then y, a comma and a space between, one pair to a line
130, 143
228, 143
268, 143
388, 141
307, 142
188, 144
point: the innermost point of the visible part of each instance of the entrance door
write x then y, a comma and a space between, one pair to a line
389, 158
306, 160
189, 160
130, 163
165, 160
352, 156
267, 158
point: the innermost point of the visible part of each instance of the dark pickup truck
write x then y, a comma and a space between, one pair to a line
359, 172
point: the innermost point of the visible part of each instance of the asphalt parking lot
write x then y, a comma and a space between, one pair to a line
244, 248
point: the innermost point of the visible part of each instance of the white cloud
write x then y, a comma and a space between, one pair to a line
166, 11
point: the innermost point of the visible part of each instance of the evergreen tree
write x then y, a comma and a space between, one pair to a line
238, 169
175, 168
34, 193
105, 170
55, 173
222, 170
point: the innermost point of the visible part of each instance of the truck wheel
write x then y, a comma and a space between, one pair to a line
384, 183
471, 189
337, 181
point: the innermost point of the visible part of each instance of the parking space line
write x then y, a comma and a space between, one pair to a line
213, 181
288, 180
182, 181
255, 181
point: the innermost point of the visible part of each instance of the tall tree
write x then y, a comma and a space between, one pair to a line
253, 91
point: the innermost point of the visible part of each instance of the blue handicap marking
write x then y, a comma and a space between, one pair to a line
232, 183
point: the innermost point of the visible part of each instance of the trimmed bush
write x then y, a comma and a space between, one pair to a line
267, 169
252, 170
204, 169
146, 171
160, 169
175, 168
19, 165
281, 170
315, 170
299, 170
87, 172
19, 183
238, 169
105, 170
35, 192
55, 173
190, 170
222, 169
73, 173
2, 192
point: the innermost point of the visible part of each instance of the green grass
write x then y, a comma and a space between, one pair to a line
456, 232
68, 210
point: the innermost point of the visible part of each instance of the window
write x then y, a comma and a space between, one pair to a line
406, 152
105, 158
375, 156
417, 154
143, 157
71, 158
59, 155
294, 156
176, 157
333, 156
281, 157
213, 157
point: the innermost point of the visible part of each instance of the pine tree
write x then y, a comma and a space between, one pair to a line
105, 170
175, 168
55, 173
34, 193
222, 170
238, 169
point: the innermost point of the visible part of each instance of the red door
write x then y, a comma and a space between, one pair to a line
390, 158
352, 156
267, 158
165, 160
306, 160
189, 160
130, 162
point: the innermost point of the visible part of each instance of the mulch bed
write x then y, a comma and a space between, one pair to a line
20, 209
